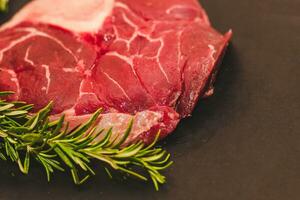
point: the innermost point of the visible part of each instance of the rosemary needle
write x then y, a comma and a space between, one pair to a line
25, 137
3, 5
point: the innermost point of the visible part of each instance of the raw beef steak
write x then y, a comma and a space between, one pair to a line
149, 60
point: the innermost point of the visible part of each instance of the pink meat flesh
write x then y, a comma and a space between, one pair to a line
148, 60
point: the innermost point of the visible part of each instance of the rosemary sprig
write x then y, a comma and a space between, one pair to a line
3, 5
25, 137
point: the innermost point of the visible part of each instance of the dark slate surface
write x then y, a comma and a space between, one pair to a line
241, 144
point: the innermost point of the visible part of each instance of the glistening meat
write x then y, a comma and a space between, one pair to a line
148, 60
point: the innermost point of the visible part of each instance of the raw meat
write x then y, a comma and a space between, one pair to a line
147, 60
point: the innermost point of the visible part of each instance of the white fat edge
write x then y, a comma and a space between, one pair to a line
120, 121
46, 11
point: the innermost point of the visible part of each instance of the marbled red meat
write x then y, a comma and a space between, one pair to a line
147, 60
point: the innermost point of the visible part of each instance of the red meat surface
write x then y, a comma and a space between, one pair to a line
148, 60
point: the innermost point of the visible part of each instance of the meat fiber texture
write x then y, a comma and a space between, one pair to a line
148, 60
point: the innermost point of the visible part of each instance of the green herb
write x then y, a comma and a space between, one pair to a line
25, 137
3, 5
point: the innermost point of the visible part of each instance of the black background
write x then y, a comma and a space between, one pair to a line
242, 143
